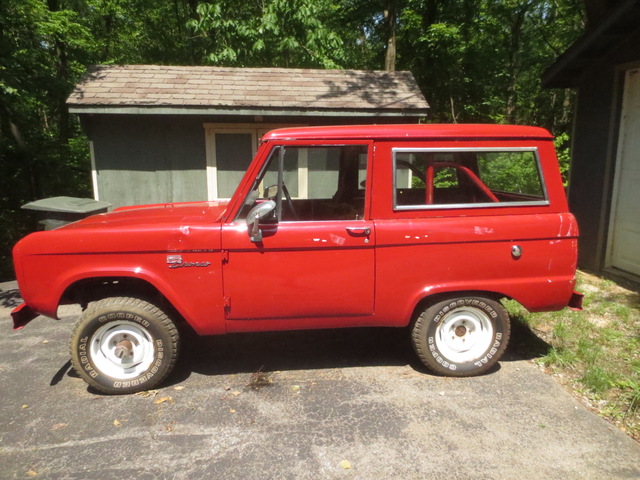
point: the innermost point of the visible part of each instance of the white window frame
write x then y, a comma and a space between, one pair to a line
211, 129
94, 171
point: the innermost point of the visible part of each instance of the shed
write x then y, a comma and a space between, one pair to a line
604, 194
173, 134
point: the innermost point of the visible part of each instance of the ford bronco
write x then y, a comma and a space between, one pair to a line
426, 226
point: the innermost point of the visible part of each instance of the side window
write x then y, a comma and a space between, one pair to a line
317, 183
514, 174
466, 178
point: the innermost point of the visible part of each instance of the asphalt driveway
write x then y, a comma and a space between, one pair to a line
346, 404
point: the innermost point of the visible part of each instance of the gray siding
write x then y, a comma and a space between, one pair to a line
155, 158
149, 159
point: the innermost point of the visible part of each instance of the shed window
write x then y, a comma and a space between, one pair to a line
229, 150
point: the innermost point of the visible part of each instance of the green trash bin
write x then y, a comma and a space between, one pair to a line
55, 212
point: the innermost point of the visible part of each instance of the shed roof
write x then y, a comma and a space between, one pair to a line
220, 90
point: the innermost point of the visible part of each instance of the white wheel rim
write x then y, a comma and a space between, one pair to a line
105, 342
464, 335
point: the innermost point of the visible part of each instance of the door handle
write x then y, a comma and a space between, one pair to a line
359, 231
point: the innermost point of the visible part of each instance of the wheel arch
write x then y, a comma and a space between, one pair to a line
91, 289
434, 297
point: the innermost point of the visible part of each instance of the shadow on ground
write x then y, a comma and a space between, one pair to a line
298, 350
248, 353
524, 344
10, 298
314, 350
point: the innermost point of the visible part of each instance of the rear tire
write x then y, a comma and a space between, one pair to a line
124, 345
462, 336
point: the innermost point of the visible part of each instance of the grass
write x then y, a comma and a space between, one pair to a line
595, 352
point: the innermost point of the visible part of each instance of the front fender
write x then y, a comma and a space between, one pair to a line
195, 292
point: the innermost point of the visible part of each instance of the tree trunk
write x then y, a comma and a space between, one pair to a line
391, 16
566, 108
62, 79
514, 62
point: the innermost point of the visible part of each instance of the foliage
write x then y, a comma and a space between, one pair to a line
562, 144
493, 53
475, 61
278, 33
446, 178
514, 172
43, 49
141, 31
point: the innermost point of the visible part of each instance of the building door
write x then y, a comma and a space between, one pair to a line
624, 229
230, 149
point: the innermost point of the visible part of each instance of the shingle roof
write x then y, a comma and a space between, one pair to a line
214, 88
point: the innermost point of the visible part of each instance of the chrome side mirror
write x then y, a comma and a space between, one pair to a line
257, 213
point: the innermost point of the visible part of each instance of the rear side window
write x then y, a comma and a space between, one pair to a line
428, 178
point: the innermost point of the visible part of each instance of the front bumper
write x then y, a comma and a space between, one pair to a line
22, 315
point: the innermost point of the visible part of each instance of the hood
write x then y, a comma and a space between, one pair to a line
150, 216
154, 228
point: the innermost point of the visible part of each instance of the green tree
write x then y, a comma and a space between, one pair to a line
475, 61
278, 33
481, 60
143, 31
43, 49
371, 29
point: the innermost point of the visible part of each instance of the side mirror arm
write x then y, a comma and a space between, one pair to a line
256, 234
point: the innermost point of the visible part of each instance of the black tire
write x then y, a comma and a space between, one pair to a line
461, 336
123, 345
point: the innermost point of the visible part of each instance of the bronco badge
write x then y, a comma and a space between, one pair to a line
175, 261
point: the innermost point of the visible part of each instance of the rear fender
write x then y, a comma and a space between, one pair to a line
545, 294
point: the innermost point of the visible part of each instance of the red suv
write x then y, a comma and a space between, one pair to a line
427, 226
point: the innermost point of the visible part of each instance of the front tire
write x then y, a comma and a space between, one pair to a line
462, 336
124, 345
